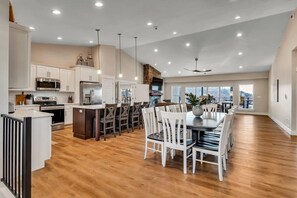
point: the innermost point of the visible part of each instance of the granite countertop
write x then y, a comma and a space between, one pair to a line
20, 114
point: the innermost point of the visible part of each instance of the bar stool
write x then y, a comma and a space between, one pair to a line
123, 117
108, 120
134, 115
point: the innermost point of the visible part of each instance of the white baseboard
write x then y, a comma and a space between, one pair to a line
251, 113
284, 127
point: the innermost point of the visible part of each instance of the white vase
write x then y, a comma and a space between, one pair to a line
197, 111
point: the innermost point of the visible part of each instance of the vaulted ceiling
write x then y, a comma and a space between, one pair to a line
209, 26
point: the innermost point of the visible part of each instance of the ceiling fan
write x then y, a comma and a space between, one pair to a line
196, 70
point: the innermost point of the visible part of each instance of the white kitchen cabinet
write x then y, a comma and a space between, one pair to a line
67, 80
68, 114
108, 89
89, 74
47, 72
32, 86
19, 56
140, 93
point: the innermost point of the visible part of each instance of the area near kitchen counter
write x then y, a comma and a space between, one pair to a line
41, 135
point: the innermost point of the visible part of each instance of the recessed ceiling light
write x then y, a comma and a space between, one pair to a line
174, 33
32, 28
99, 4
59, 38
149, 23
136, 78
239, 34
155, 64
240, 67
156, 50
91, 41
179, 72
56, 12
169, 63
120, 75
188, 44
240, 53
237, 17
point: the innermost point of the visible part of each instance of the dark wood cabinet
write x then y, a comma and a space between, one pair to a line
83, 123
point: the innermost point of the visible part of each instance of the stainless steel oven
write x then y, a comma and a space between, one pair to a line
49, 105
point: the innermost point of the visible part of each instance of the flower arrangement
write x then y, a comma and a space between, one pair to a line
194, 100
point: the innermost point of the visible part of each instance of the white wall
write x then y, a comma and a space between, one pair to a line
57, 55
259, 80
284, 70
4, 38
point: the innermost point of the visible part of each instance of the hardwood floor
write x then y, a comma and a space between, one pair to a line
262, 163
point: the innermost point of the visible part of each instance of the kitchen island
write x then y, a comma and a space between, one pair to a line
41, 135
84, 126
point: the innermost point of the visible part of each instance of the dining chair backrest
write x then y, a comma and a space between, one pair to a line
159, 117
224, 134
175, 130
210, 107
170, 108
183, 107
149, 120
177, 108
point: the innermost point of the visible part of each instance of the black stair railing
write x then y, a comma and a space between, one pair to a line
17, 155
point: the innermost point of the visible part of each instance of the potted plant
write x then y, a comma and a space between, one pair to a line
194, 101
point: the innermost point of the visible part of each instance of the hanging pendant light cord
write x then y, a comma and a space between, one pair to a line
98, 30
120, 52
135, 56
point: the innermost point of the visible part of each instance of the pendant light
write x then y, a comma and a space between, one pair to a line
120, 56
136, 77
99, 70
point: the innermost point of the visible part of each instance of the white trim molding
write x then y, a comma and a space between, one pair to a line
284, 127
251, 113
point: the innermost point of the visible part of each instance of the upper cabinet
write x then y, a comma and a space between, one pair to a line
19, 56
67, 80
47, 72
88, 74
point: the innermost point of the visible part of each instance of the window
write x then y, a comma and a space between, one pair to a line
246, 96
175, 94
215, 92
219, 93
198, 91
226, 94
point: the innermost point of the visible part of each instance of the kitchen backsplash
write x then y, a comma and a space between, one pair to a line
62, 97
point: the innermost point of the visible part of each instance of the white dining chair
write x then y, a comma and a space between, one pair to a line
159, 118
170, 108
173, 122
219, 150
210, 108
177, 108
151, 133
183, 107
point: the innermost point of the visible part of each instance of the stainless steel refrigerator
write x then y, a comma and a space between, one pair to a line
90, 93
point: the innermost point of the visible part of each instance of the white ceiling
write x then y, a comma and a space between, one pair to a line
209, 26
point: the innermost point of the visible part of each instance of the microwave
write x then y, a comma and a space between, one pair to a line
48, 84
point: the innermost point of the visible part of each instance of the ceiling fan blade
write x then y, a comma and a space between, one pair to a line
188, 69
